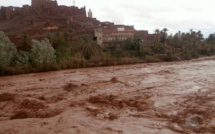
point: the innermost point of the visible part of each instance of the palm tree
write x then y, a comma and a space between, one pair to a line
165, 30
199, 35
179, 33
163, 35
157, 31
157, 37
88, 47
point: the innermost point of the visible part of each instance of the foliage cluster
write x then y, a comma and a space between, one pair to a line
40, 58
56, 51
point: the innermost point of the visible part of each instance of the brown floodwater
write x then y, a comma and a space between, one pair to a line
158, 98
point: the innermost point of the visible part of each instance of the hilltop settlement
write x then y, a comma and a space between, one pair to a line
42, 17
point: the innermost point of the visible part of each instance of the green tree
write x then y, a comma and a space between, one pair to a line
132, 44
61, 44
8, 51
163, 35
43, 52
88, 47
26, 43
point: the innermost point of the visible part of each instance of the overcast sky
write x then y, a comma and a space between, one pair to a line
174, 15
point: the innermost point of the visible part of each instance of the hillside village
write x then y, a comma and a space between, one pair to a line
118, 90
42, 17
47, 36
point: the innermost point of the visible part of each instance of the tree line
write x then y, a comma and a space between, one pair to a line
57, 52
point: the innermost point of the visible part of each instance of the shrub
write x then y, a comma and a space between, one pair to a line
7, 51
22, 58
190, 54
43, 52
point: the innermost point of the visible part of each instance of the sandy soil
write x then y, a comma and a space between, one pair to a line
158, 98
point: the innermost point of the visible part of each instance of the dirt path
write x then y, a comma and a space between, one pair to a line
160, 98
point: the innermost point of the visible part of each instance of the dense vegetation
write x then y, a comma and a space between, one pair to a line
57, 52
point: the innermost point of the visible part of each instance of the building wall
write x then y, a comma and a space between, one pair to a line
7, 12
116, 34
37, 4
70, 11
90, 14
145, 36
99, 37
51, 5
111, 33
142, 34
1, 14
44, 7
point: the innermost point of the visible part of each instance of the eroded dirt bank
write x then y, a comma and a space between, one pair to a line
160, 98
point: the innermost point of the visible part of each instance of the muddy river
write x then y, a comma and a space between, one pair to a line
157, 98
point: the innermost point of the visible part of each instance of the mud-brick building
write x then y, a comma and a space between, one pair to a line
43, 17
46, 16
107, 33
43, 4
144, 35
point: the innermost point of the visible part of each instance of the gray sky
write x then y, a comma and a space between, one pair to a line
175, 15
